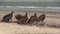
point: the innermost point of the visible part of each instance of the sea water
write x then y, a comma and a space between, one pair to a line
35, 6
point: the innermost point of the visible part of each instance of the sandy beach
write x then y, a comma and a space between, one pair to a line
14, 28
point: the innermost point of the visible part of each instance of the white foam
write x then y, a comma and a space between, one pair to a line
30, 7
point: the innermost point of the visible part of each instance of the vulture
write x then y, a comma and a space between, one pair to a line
7, 17
21, 19
41, 18
32, 19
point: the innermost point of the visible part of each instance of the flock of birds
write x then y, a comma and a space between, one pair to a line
24, 18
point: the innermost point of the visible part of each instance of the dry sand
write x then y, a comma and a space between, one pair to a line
14, 28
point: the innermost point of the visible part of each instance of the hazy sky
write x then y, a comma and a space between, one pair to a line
34, 0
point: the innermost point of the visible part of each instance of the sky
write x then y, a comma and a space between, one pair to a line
34, 0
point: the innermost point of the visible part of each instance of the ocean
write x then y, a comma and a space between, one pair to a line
35, 6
